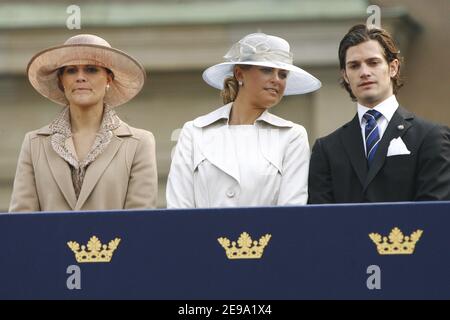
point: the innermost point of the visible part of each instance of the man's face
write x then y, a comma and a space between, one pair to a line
368, 73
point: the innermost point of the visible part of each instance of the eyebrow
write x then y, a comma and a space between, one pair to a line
368, 59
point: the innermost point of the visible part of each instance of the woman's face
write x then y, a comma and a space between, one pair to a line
85, 85
263, 86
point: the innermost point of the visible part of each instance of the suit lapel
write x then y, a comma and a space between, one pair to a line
351, 138
398, 120
61, 173
96, 169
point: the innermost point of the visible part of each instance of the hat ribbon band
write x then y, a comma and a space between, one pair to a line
267, 56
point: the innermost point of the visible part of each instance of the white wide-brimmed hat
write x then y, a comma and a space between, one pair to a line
260, 49
86, 49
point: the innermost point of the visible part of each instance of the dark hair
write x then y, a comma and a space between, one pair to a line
61, 71
359, 34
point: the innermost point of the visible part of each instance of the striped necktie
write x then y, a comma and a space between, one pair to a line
372, 134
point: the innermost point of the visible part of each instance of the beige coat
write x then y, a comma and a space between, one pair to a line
122, 177
205, 171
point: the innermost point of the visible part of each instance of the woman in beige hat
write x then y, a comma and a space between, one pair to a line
87, 158
240, 154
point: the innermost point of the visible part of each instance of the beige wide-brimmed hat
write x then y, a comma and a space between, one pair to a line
86, 49
260, 49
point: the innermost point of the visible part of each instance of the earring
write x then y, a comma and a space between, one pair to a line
107, 87
240, 83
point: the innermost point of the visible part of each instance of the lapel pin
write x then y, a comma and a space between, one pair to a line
400, 127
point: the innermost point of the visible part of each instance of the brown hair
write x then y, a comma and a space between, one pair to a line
231, 86
359, 34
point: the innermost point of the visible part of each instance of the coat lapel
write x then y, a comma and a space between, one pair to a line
96, 169
217, 143
270, 146
61, 173
399, 119
218, 147
351, 138
269, 127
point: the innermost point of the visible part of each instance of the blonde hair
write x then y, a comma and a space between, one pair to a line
230, 89
231, 86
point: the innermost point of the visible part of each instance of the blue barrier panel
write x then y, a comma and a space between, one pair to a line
314, 252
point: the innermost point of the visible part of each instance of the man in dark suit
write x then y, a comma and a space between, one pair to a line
385, 153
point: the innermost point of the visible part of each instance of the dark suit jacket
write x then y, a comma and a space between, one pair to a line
339, 172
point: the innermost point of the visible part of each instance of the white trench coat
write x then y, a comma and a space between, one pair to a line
205, 169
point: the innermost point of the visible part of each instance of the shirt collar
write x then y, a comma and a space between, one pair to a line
224, 113
387, 108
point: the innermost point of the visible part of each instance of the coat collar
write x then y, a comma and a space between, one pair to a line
223, 113
217, 144
122, 131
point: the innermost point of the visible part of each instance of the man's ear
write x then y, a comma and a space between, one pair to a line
393, 68
344, 75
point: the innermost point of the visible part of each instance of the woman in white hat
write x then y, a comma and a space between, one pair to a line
87, 158
240, 154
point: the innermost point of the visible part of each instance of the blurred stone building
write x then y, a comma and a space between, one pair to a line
177, 39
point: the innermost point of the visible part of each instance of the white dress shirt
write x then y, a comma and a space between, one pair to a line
387, 109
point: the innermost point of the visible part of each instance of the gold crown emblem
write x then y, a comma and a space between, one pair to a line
96, 252
247, 248
397, 243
